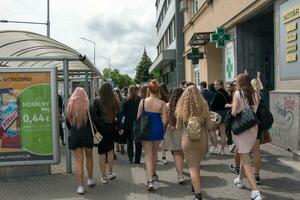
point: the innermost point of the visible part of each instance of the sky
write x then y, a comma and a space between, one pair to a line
121, 29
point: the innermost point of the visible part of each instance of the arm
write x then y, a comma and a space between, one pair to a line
235, 104
164, 113
140, 110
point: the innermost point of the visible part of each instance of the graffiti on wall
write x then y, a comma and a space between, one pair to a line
285, 110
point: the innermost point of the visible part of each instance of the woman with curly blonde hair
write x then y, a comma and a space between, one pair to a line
192, 104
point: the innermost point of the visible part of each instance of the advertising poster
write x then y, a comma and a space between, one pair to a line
26, 114
229, 62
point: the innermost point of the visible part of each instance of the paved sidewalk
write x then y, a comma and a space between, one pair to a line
280, 181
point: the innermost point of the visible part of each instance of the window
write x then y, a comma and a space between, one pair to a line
171, 31
197, 74
194, 7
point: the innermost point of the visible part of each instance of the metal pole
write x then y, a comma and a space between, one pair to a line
66, 97
94, 54
48, 18
86, 83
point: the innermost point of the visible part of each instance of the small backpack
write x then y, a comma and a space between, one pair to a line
194, 129
265, 116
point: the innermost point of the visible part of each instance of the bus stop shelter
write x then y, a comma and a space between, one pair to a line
32, 50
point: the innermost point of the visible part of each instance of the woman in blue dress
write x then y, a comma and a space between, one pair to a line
156, 109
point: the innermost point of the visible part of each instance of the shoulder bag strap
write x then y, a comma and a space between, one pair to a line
143, 105
91, 123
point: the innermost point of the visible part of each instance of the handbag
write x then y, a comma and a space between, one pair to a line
266, 138
244, 120
265, 116
142, 126
97, 137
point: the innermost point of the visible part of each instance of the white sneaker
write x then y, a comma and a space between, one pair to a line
180, 179
232, 148
80, 190
111, 176
103, 180
164, 160
214, 150
255, 195
238, 182
222, 153
91, 182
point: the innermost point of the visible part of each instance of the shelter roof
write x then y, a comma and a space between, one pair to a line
23, 44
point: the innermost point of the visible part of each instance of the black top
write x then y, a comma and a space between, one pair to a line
79, 138
208, 95
219, 100
130, 109
105, 127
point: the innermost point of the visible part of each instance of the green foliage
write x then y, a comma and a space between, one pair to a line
142, 69
120, 80
156, 74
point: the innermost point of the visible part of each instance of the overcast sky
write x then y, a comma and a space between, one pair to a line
120, 28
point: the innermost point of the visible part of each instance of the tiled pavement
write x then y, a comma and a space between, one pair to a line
280, 181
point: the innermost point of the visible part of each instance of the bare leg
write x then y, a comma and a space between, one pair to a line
155, 147
223, 135
245, 162
89, 162
110, 159
102, 164
178, 158
237, 158
195, 176
78, 153
213, 136
256, 157
149, 157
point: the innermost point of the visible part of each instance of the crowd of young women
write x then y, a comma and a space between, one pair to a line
170, 113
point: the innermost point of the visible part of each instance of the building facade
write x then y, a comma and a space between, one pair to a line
263, 39
169, 42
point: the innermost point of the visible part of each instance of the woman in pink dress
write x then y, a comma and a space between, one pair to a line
245, 96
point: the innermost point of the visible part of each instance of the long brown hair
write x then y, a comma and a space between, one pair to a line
143, 92
244, 85
175, 95
78, 108
132, 92
164, 92
108, 103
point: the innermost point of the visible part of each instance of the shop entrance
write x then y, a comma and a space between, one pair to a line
255, 48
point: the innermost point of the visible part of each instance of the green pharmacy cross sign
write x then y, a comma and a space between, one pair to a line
195, 55
219, 37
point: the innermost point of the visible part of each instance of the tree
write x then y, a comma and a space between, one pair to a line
142, 69
120, 80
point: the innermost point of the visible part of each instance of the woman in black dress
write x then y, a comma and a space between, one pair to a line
130, 108
81, 136
105, 110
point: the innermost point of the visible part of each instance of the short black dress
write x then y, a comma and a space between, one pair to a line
80, 138
107, 129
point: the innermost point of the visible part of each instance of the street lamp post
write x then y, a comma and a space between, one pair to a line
94, 43
38, 23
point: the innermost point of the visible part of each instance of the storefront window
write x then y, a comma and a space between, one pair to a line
197, 74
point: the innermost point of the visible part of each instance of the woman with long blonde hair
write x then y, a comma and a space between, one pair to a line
192, 104
81, 136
